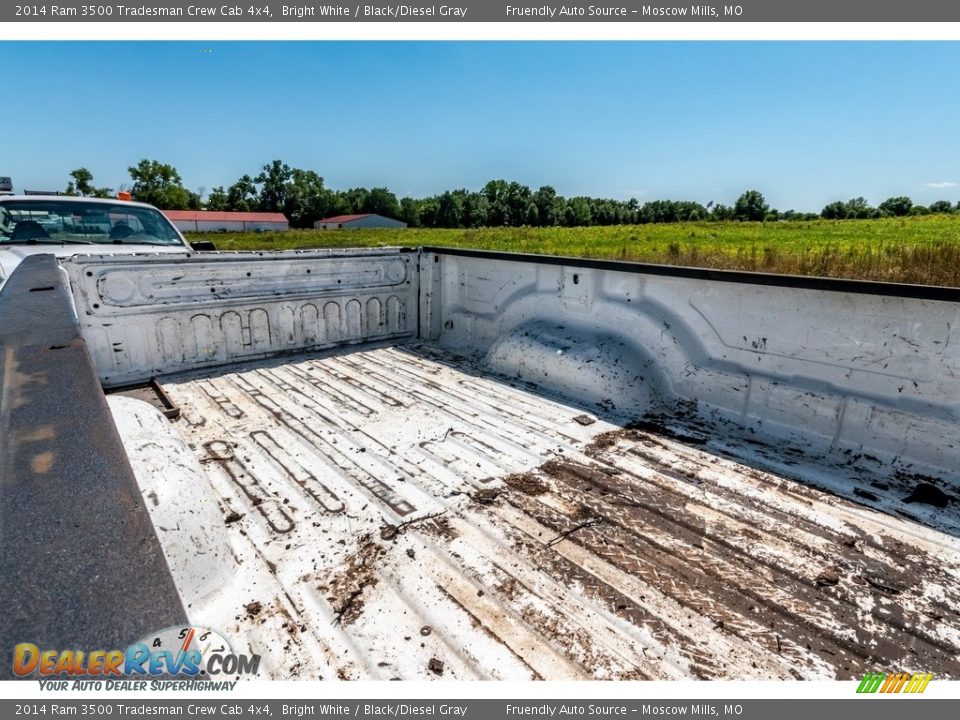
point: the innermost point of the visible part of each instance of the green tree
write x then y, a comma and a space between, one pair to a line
858, 208
518, 203
382, 202
352, 201
83, 180
428, 208
549, 206
242, 195
942, 207
835, 211
721, 212
217, 199
577, 212
449, 210
533, 215
410, 212
476, 209
659, 211
273, 181
160, 184
690, 210
751, 206
896, 206
82, 184
306, 200
338, 204
497, 193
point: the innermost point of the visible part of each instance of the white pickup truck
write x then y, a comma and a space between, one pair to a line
64, 226
435, 463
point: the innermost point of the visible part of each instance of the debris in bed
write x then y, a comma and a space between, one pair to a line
526, 483
829, 577
486, 496
880, 584
928, 494
667, 427
349, 584
435, 522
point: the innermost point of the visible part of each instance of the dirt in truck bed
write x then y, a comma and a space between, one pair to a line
401, 515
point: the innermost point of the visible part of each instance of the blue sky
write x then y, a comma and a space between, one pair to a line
804, 122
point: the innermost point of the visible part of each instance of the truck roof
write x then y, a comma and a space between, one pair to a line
70, 199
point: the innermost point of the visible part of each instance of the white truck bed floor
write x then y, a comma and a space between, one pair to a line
394, 513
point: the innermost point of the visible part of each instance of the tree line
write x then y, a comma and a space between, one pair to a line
303, 197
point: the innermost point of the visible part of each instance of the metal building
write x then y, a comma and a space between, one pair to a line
216, 220
366, 220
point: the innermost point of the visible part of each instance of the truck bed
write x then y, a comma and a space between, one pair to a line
399, 512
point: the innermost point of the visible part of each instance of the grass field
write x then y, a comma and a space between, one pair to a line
920, 250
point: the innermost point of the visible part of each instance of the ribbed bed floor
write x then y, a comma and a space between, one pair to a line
399, 515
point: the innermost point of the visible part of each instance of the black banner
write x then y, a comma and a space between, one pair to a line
617, 11
235, 709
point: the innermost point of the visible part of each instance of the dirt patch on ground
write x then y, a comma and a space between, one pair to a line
605, 441
439, 526
487, 496
694, 432
527, 483
347, 586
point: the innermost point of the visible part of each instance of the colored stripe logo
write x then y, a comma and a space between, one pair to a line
894, 683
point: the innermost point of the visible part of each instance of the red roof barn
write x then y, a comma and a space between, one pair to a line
222, 220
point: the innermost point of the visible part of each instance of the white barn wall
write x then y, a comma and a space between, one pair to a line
226, 226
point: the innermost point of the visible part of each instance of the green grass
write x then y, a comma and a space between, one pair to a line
920, 250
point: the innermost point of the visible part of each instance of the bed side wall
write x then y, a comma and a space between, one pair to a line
842, 368
144, 316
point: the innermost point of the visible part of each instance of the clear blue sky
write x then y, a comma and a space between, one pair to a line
804, 122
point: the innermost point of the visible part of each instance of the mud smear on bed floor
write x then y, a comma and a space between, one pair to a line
854, 613
355, 575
